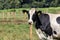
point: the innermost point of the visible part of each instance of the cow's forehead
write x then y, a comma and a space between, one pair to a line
32, 11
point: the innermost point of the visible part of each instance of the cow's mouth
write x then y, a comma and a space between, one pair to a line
30, 22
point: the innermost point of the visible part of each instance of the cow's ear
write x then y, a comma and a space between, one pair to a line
25, 11
39, 12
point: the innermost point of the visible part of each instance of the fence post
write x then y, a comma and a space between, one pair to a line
31, 32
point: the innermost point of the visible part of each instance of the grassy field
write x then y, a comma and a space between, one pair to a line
15, 30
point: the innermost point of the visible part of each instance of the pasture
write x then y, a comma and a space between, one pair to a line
14, 26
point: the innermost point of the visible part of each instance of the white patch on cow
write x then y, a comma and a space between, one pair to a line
40, 34
31, 12
55, 26
49, 38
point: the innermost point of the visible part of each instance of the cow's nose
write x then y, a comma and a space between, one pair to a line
30, 22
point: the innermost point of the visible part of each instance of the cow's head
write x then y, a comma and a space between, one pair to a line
32, 15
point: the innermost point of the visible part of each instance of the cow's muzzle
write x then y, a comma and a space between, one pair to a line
30, 22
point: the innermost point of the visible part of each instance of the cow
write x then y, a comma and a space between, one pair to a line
47, 25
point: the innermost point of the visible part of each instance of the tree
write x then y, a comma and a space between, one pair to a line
1, 4
8, 4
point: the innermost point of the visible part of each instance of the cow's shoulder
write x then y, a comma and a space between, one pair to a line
44, 17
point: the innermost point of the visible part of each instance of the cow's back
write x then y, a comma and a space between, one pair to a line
54, 21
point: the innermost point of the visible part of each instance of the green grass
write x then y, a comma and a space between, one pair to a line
43, 9
16, 32
13, 31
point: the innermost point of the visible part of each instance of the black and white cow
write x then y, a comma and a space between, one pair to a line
47, 25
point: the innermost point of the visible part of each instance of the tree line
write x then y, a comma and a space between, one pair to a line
9, 4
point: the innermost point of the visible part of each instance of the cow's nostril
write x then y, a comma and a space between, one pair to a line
30, 22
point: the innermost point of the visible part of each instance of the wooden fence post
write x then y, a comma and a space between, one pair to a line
31, 32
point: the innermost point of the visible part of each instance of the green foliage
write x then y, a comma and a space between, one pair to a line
8, 4
26, 5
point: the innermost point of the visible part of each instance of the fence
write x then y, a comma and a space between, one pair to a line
11, 17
